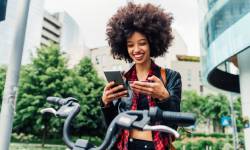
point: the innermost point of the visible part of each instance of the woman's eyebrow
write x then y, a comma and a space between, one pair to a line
142, 40
129, 41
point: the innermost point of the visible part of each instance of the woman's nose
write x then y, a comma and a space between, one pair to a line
136, 48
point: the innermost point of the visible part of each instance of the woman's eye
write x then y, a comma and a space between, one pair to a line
129, 45
142, 44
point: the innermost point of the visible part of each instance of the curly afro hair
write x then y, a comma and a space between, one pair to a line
147, 19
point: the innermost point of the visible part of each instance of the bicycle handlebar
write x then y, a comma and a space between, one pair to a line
178, 118
60, 101
126, 120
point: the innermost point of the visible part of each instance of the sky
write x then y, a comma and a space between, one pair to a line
93, 15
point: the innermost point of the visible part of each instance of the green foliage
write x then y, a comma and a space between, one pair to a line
93, 139
201, 144
218, 145
23, 138
215, 107
48, 75
210, 107
214, 135
178, 145
91, 90
45, 76
31, 146
192, 102
238, 114
191, 146
2, 81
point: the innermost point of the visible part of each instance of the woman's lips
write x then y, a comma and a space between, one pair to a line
138, 56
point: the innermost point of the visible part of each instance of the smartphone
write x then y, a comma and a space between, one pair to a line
115, 76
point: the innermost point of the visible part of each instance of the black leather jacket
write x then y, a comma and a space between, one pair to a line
174, 87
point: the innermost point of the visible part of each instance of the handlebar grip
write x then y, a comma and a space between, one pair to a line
61, 101
55, 100
179, 118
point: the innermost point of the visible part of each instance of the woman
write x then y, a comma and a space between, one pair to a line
137, 33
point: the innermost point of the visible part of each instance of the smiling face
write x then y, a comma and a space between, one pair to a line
138, 48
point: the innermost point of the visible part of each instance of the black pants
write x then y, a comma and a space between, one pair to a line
136, 144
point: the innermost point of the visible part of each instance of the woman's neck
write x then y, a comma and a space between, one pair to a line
143, 69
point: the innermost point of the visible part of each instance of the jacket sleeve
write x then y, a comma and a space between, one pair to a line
109, 112
174, 87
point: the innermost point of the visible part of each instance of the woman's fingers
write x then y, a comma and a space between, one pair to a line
143, 91
115, 89
140, 91
109, 85
117, 95
153, 78
142, 83
147, 84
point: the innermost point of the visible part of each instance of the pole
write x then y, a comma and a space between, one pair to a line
233, 120
12, 76
235, 133
244, 61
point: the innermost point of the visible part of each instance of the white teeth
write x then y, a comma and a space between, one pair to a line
138, 55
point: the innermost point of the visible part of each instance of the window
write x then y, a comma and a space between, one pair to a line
201, 88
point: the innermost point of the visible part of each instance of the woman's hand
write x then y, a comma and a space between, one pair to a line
154, 87
112, 92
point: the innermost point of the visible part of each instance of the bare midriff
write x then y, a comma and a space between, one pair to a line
142, 135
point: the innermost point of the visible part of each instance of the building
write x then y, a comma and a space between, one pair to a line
103, 60
71, 39
190, 69
33, 30
42, 29
60, 28
51, 30
225, 49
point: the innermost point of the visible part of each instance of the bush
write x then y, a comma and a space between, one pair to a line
202, 144
23, 137
227, 146
214, 135
218, 145
92, 139
198, 135
191, 146
178, 145
218, 135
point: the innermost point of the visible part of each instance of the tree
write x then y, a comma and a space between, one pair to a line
47, 75
215, 108
192, 102
238, 115
90, 118
208, 108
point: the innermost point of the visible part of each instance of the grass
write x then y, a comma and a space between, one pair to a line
28, 146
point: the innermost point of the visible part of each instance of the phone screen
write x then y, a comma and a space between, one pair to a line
115, 76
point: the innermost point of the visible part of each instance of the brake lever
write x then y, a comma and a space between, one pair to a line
49, 110
65, 110
162, 128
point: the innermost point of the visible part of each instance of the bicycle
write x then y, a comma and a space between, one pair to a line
140, 119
